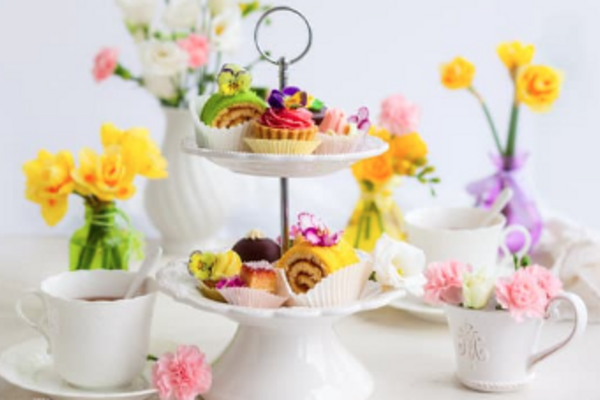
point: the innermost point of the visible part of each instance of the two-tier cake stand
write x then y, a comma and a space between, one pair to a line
287, 353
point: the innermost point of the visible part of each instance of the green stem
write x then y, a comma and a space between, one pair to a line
489, 118
359, 229
379, 218
512, 130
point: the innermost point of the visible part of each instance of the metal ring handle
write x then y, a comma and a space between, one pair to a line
260, 22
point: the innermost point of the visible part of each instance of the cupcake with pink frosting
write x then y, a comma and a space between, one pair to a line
287, 126
341, 134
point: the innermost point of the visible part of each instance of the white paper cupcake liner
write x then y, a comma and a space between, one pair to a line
225, 139
341, 287
282, 146
248, 297
339, 144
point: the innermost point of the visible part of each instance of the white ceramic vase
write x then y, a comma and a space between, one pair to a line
495, 353
189, 207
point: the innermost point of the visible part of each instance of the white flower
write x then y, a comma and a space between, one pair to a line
217, 7
478, 287
181, 14
137, 12
226, 30
163, 87
399, 265
162, 58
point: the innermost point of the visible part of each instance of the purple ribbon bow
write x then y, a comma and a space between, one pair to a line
521, 209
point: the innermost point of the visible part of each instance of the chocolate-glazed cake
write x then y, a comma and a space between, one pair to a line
256, 247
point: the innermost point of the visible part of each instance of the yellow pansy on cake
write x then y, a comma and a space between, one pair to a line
222, 120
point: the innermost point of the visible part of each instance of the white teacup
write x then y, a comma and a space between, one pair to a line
495, 353
446, 234
95, 343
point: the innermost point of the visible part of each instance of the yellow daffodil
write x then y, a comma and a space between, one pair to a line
457, 74
538, 86
49, 183
106, 176
515, 54
139, 152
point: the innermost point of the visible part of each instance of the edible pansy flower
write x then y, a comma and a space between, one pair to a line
290, 97
233, 282
361, 119
314, 231
233, 79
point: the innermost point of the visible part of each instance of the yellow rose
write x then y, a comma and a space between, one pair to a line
49, 183
137, 148
538, 86
105, 176
458, 73
515, 54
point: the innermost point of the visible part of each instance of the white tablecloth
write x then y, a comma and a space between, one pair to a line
408, 358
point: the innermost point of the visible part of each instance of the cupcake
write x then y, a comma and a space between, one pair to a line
321, 269
255, 286
210, 268
223, 119
286, 127
256, 247
339, 134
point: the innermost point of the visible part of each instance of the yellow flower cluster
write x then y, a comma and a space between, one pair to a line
405, 155
99, 177
537, 86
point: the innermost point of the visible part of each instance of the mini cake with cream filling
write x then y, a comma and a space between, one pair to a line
315, 254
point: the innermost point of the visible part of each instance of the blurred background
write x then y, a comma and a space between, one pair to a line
362, 52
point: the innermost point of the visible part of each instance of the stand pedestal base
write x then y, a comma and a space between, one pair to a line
297, 360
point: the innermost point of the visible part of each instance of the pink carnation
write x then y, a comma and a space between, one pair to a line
105, 63
522, 294
399, 116
183, 375
196, 47
444, 282
549, 283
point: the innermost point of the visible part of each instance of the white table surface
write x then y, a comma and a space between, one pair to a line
408, 358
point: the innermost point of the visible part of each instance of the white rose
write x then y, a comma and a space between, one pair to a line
478, 287
137, 12
226, 30
217, 7
181, 14
162, 58
399, 265
163, 87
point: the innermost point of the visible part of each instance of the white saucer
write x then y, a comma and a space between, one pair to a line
27, 366
416, 307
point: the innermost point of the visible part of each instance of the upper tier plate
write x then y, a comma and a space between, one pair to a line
287, 166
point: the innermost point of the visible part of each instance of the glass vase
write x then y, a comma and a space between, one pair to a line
105, 241
521, 209
375, 213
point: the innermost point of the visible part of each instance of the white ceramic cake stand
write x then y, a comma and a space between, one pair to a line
285, 353
285, 166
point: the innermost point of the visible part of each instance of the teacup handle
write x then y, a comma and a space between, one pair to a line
41, 324
512, 229
579, 324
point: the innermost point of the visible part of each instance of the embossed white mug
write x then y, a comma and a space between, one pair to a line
495, 353
446, 234
94, 344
